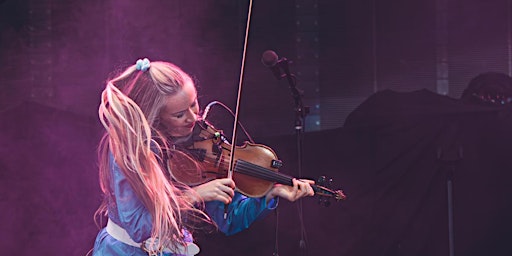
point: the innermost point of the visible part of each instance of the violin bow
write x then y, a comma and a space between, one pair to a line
239, 96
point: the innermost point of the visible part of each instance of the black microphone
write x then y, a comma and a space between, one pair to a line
272, 61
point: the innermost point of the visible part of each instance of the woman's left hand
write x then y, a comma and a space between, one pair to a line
300, 188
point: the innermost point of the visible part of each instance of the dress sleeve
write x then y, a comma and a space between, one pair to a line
130, 213
241, 212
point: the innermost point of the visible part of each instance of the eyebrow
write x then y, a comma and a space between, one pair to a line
181, 111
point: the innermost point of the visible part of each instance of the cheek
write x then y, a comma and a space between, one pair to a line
169, 123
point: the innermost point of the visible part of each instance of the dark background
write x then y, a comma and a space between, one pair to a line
56, 56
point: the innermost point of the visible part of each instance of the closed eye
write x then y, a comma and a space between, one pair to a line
182, 113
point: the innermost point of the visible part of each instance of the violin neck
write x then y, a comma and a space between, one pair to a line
244, 167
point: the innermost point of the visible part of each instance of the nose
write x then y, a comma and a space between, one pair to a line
191, 116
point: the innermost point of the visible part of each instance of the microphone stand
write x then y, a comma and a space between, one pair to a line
449, 160
300, 114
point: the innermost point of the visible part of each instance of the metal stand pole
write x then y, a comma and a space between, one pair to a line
449, 160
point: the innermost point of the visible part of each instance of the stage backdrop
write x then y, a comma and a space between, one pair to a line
391, 156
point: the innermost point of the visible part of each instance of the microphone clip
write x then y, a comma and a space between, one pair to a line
281, 69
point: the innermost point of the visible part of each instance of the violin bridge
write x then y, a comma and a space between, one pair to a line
217, 152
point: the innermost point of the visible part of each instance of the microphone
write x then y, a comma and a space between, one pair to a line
207, 109
272, 61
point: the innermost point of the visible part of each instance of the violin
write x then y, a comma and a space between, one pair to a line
255, 169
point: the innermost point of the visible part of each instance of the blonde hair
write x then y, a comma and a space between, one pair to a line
130, 117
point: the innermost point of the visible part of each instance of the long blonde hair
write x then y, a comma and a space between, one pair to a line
130, 117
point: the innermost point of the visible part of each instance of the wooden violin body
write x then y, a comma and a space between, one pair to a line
255, 168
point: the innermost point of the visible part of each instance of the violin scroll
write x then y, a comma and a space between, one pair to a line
322, 189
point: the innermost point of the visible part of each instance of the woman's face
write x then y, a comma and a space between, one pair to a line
179, 114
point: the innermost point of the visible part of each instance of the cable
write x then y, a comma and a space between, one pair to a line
207, 110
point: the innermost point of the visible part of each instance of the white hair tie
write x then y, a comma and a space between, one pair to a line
142, 65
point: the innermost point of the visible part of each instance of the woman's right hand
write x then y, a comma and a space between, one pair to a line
217, 190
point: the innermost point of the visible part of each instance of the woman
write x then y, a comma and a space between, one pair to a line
147, 109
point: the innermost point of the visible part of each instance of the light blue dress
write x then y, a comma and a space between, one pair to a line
127, 211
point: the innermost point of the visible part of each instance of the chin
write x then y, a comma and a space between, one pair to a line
183, 132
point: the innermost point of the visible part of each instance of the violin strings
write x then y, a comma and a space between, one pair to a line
253, 170
249, 169
258, 171
281, 178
